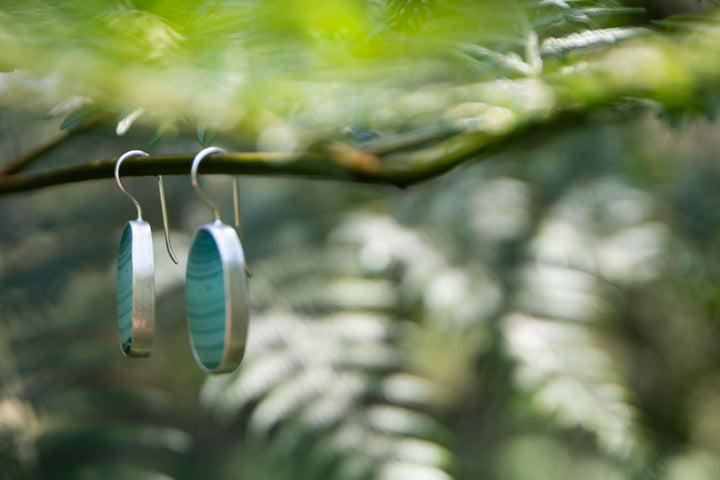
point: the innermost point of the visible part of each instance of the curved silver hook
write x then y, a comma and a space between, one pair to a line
193, 177
140, 153
216, 212
168, 246
122, 158
236, 205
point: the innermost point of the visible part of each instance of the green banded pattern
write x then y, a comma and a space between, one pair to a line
124, 290
205, 299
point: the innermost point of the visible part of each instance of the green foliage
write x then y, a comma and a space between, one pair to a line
310, 68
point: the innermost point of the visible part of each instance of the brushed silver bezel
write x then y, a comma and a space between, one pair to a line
236, 290
143, 290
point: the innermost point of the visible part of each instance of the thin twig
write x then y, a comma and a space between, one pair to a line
28, 157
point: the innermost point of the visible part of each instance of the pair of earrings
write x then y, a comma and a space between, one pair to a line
216, 290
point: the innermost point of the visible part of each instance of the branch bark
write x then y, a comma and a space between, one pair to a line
338, 163
394, 163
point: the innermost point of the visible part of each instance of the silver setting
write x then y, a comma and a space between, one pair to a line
236, 297
143, 291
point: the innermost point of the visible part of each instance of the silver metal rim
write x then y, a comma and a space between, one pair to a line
143, 290
236, 297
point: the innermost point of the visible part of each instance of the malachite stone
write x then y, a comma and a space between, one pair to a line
206, 300
124, 290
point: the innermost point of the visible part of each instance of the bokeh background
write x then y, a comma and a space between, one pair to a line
551, 312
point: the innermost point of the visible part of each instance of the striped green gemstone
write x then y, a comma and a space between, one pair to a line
205, 298
124, 291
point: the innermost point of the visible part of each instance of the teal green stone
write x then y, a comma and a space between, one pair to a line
124, 291
205, 300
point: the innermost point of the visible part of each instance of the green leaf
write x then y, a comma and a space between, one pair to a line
78, 118
205, 136
160, 132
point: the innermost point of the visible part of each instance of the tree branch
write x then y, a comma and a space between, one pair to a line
333, 161
339, 163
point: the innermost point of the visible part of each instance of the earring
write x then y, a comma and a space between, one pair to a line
216, 288
135, 290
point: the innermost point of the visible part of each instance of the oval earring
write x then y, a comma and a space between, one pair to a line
135, 289
216, 288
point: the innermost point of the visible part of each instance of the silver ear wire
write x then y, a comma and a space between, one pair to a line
193, 177
236, 203
168, 246
140, 153
123, 157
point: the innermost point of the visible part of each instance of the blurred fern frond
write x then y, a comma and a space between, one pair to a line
352, 388
593, 241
